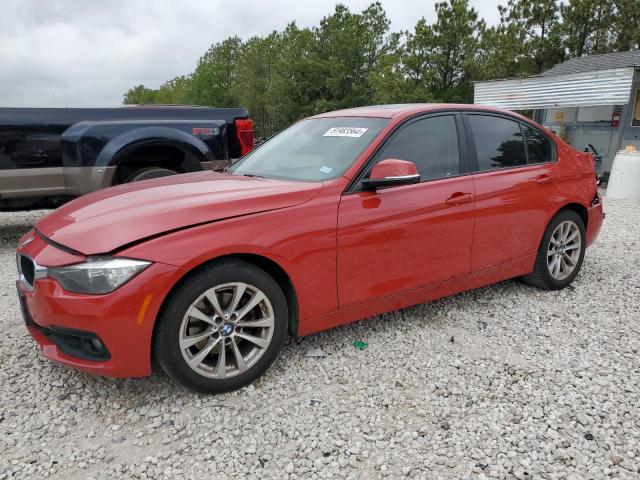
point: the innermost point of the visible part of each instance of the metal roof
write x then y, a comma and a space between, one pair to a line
590, 88
592, 63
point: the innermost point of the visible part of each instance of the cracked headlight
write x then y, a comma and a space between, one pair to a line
97, 275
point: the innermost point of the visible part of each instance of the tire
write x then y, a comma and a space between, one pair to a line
190, 324
558, 262
149, 173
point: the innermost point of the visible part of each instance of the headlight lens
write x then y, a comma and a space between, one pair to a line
97, 275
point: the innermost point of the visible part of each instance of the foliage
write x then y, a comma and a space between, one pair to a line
539, 20
139, 95
626, 25
215, 77
586, 26
352, 59
452, 43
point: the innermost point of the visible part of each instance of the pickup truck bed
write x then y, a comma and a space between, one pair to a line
48, 155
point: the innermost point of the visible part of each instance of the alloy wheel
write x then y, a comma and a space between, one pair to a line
564, 249
226, 330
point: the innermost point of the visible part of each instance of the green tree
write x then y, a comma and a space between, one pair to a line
438, 62
257, 67
586, 25
173, 91
541, 23
417, 63
347, 51
297, 82
139, 95
214, 80
395, 82
352, 59
503, 53
455, 37
626, 25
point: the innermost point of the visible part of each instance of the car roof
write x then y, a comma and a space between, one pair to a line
404, 109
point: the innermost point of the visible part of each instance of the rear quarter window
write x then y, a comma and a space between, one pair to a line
538, 146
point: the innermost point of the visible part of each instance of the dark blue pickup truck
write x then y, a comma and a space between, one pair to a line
49, 155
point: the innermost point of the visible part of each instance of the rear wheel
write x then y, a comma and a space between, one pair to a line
222, 328
561, 252
149, 173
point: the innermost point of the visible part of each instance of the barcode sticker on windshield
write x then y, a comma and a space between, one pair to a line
354, 132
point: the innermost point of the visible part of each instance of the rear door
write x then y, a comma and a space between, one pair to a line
30, 162
515, 180
404, 237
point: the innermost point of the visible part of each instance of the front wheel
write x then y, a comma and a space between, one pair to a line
222, 328
561, 252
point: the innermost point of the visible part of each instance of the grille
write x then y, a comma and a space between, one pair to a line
28, 270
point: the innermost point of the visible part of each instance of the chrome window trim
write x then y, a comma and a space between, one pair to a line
401, 177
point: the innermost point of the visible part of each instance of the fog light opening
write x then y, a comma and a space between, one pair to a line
78, 343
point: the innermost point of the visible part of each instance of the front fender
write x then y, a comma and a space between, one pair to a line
300, 239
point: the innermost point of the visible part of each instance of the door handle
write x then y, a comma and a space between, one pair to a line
459, 198
542, 179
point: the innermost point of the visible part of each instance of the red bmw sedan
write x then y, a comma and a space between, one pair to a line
339, 217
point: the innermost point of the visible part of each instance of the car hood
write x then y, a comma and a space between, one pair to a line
103, 221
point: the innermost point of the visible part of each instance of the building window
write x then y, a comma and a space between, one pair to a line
635, 122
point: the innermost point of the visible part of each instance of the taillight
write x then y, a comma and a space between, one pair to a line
244, 132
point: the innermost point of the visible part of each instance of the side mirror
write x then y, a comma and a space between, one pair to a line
392, 172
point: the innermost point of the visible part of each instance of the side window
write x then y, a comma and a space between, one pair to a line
538, 146
431, 143
499, 142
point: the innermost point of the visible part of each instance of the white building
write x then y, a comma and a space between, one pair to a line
589, 100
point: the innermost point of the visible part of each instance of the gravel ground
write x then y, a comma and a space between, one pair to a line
502, 382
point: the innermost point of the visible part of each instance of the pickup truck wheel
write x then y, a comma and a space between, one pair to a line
149, 173
560, 254
222, 328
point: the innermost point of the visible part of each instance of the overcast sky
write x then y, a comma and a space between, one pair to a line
76, 53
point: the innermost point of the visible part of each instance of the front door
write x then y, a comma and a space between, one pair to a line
401, 238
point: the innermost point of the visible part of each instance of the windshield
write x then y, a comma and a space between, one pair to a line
311, 150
